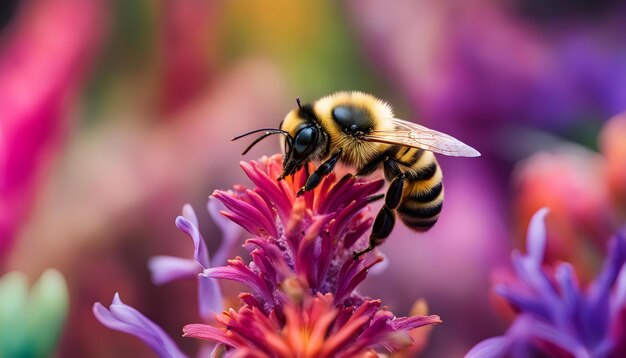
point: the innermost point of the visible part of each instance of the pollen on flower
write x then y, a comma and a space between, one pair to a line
302, 276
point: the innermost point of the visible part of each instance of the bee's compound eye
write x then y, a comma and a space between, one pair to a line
304, 139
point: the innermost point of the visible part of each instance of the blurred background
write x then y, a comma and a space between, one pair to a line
113, 114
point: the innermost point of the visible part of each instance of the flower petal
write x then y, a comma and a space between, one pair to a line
230, 232
124, 318
536, 237
209, 333
239, 272
165, 269
410, 323
188, 224
210, 299
495, 347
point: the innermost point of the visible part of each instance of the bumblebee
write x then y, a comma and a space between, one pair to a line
361, 131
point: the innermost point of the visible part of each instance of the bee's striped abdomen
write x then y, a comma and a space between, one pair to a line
422, 197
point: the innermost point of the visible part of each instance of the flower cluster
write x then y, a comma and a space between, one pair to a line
302, 276
556, 316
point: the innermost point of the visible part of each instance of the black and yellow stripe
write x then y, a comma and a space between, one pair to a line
422, 198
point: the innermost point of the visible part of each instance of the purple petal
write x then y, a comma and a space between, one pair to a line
524, 302
357, 233
210, 299
610, 269
186, 224
536, 280
201, 252
230, 232
490, 348
572, 298
190, 214
618, 302
558, 338
165, 269
124, 318
349, 277
597, 318
536, 237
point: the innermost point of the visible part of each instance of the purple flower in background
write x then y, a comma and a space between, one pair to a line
557, 316
302, 276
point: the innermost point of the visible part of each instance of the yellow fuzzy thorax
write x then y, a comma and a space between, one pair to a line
356, 152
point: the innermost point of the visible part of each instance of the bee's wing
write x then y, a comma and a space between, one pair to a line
413, 135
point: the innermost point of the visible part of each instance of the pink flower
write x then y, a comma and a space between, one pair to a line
302, 271
302, 278
49, 47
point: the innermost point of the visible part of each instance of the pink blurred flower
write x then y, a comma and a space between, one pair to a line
43, 60
613, 148
186, 50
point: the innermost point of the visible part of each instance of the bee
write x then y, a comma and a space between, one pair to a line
361, 131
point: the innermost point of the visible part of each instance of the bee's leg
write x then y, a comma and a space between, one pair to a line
323, 170
386, 218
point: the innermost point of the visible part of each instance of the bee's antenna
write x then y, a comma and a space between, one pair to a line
257, 131
268, 132
298, 102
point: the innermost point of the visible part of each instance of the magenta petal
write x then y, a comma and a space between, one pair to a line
410, 323
124, 318
165, 269
206, 332
375, 333
248, 213
349, 277
237, 271
268, 185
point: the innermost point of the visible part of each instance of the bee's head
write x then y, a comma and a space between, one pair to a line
303, 138
309, 140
